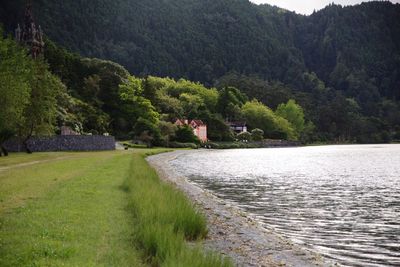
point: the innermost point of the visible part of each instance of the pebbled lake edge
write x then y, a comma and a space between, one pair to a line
232, 231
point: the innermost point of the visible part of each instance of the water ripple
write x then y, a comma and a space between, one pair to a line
341, 201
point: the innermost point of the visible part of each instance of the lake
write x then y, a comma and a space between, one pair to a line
340, 201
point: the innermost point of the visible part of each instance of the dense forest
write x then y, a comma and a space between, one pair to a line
341, 64
93, 96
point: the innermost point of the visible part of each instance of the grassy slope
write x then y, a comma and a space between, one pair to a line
94, 209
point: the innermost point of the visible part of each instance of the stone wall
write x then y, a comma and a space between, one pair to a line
64, 143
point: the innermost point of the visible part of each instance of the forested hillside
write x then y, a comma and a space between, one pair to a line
342, 64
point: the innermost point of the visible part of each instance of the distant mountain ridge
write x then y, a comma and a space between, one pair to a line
203, 40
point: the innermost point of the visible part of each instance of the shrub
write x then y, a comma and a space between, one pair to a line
147, 132
257, 134
182, 145
185, 134
245, 136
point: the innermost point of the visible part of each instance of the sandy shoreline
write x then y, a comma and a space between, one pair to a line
231, 231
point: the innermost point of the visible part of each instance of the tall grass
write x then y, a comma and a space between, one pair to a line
165, 220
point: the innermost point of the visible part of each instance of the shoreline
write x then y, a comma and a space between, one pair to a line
232, 231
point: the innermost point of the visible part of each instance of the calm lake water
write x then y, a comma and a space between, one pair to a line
341, 201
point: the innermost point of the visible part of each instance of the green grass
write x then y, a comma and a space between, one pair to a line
75, 214
21, 158
95, 209
164, 219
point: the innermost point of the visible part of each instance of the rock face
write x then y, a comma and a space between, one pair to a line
232, 231
64, 143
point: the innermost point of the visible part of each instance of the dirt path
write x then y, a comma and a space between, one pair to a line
30, 163
233, 232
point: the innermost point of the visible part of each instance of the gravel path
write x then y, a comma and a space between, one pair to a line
233, 232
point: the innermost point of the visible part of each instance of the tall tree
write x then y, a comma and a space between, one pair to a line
15, 90
294, 114
260, 116
41, 112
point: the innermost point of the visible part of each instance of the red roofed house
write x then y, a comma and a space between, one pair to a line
198, 126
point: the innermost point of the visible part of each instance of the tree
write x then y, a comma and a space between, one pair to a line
91, 89
230, 100
147, 138
169, 105
217, 129
167, 130
185, 134
191, 104
144, 128
260, 116
134, 105
15, 75
40, 114
244, 136
284, 129
257, 134
293, 113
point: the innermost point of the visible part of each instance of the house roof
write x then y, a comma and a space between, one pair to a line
237, 123
192, 123
197, 122
180, 122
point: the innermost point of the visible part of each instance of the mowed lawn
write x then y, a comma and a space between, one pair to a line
66, 209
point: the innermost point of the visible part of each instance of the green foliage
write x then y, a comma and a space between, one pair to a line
167, 130
147, 131
15, 86
232, 145
152, 38
29, 93
183, 145
271, 93
217, 129
134, 105
230, 100
257, 134
164, 219
260, 116
182, 98
41, 112
93, 84
358, 59
184, 134
244, 136
294, 114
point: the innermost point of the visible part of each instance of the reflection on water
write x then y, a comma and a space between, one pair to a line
341, 201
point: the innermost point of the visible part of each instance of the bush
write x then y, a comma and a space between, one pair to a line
231, 145
182, 145
185, 134
257, 134
145, 128
245, 136
132, 145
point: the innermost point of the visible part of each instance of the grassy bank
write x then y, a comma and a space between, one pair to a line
95, 209
164, 219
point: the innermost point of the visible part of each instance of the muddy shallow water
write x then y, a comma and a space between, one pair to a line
340, 201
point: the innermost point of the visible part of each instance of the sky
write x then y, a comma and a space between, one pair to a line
307, 6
